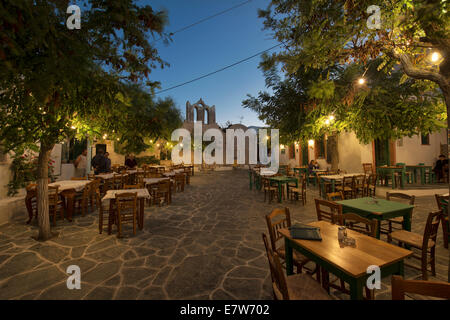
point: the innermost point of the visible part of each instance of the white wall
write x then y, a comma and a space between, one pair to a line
413, 152
351, 153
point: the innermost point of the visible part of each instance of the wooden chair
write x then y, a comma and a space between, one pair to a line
353, 221
179, 182
335, 196
427, 288
94, 188
82, 199
359, 186
161, 194
397, 220
269, 189
442, 202
371, 185
347, 187
367, 168
105, 209
426, 243
276, 220
295, 287
328, 210
126, 208
55, 204
300, 192
31, 201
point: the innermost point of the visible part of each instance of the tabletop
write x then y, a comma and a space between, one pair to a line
381, 206
153, 180
351, 260
141, 193
340, 176
267, 173
106, 176
283, 178
78, 185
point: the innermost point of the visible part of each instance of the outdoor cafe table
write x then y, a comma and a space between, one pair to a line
391, 170
106, 176
189, 167
348, 263
68, 190
422, 169
258, 173
379, 209
280, 180
142, 194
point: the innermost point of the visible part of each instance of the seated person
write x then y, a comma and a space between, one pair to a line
441, 165
313, 165
131, 162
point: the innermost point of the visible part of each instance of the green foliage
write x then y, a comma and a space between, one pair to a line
146, 160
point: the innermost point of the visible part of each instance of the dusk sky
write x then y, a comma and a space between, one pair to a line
209, 46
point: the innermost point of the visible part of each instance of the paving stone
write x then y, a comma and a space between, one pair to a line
77, 252
248, 272
222, 295
152, 293
61, 292
21, 262
107, 254
243, 288
52, 253
144, 251
127, 293
84, 264
102, 272
135, 263
31, 281
132, 276
155, 261
247, 253
188, 277
162, 276
101, 293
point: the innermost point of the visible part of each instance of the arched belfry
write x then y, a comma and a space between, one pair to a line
200, 107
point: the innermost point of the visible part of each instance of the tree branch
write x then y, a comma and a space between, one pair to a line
418, 73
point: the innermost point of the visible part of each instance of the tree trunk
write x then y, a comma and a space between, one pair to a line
42, 193
446, 93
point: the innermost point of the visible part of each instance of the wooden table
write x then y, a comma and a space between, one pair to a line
68, 189
142, 195
189, 167
348, 263
385, 170
280, 180
332, 178
381, 210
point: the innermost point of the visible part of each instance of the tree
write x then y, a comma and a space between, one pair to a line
305, 106
318, 33
56, 81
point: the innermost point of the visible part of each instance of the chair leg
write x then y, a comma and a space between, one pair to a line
433, 261
100, 222
134, 224
424, 265
445, 226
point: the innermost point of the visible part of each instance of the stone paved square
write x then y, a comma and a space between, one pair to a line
205, 245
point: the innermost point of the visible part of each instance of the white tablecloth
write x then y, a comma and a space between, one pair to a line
78, 185
153, 180
340, 176
106, 176
141, 193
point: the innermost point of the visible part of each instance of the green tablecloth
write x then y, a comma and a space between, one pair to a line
381, 210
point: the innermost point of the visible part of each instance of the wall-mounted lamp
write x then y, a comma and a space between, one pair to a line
311, 143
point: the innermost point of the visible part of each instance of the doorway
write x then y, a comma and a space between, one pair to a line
305, 159
382, 152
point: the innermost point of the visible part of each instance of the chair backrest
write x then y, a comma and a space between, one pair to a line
367, 167
360, 180
442, 201
349, 219
372, 180
132, 186
328, 210
431, 228
276, 220
335, 196
426, 288
348, 182
53, 195
403, 196
164, 186
126, 203
279, 284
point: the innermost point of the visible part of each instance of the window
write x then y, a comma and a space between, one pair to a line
291, 151
320, 148
425, 138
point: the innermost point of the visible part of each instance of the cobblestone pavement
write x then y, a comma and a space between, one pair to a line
206, 245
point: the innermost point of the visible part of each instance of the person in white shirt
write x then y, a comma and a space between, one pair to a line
81, 164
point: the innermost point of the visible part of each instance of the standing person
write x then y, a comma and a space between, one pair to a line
108, 162
131, 162
99, 162
81, 164
440, 166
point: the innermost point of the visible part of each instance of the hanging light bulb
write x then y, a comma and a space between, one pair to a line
361, 81
435, 56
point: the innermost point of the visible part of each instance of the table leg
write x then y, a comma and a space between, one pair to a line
356, 289
288, 257
393, 179
141, 213
279, 191
69, 196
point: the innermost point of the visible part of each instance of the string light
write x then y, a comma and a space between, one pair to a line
311, 143
361, 81
435, 56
